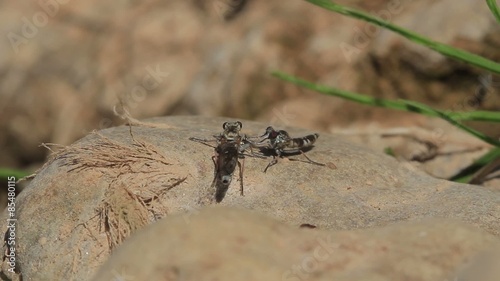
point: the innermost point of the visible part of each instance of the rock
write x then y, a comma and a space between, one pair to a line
403, 67
92, 195
453, 30
433, 146
232, 244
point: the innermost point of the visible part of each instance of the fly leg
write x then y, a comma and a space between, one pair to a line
247, 144
274, 161
311, 161
308, 160
203, 141
213, 188
241, 166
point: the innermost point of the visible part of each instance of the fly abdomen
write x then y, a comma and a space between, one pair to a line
226, 179
221, 187
304, 141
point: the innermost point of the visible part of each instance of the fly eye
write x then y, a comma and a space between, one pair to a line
239, 124
224, 126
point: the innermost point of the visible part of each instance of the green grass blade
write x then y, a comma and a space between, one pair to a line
466, 174
446, 50
489, 116
5, 173
421, 108
494, 9
359, 98
405, 105
389, 151
453, 118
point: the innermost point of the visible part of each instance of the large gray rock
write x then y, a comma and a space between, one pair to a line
231, 244
94, 194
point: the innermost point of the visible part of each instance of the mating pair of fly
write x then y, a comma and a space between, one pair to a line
232, 146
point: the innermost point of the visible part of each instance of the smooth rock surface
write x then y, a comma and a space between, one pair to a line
231, 244
94, 194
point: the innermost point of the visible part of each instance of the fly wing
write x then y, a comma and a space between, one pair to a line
227, 159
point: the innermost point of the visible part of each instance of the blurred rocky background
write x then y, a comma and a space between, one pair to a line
65, 65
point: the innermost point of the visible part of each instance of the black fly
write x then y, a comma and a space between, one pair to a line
225, 160
280, 143
229, 148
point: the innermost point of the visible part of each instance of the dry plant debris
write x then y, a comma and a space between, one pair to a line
138, 179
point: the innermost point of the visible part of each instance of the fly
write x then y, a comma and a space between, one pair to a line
228, 150
280, 143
